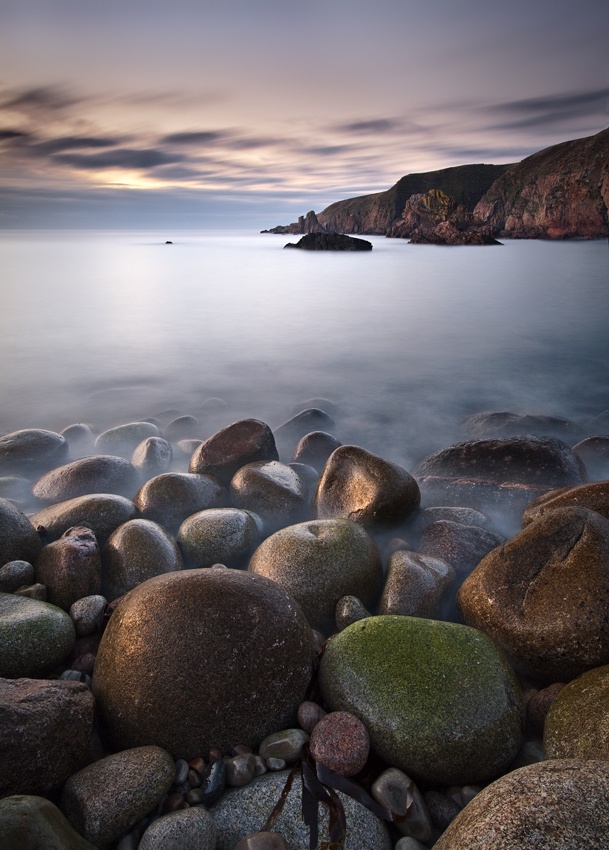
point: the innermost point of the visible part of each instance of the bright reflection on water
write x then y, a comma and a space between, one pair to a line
109, 327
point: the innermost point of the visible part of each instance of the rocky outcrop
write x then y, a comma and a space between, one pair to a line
557, 193
438, 219
306, 224
330, 242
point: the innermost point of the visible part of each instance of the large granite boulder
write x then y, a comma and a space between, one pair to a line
18, 538
497, 477
366, 489
552, 805
100, 474
172, 496
28, 822
330, 242
438, 699
577, 724
593, 496
35, 637
319, 562
70, 567
31, 450
202, 658
101, 512
231, 448
105, 799
44, 734
219, 536
543, 596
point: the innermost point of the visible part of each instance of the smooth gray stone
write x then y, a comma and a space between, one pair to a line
18, 538
124, 439
15, 574
188, 829
35, 637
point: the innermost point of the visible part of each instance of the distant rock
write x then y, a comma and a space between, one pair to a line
330, 242
308, 223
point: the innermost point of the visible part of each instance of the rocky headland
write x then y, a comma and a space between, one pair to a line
560, 192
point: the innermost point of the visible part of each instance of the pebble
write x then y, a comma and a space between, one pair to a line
340, 741
349, 609
182, 768
309, 714
285, 745
87, 614
240, 770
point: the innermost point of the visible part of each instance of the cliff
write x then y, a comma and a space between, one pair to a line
557, 193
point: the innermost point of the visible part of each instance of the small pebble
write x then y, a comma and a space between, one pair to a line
15, 574
198, 764
261, 767
195, 796
240, 770
349, 609
173, 803
194, 777
309, 715
285, 745
76, 676
214, 783
275, 765
392, 789
87, 614
341, 742
240, 750
181, 772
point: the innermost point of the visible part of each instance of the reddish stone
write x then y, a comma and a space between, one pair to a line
340, 741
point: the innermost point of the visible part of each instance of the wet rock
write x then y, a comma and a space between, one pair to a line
539, 705
28, 822
87, 614
394, 790
182, 428
35, 637
366, 489
70, 567
272, 490
494, 424
330, 242
349, 609
464, 516
99, 474
416, 585
594, 453
309, 714
240, 770
189, 829
152, 457
508, 814
543, 596
291, 432
214, 783
340, 741
18, 538
244, 635
124, 439
31, 450
15, 488
438, 699
231, 448
80, 439
286, 745
101, 512
44, 734
172, 496
15, 574
105, 799
242, 811
315, 448
319, 562
136, 551
497, 477
218, 536
576, 723
594, 496
462, 546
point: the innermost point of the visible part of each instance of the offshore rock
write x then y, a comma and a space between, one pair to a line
330, 242
308, 223
101, 512
576, 724
28, 822
44, 735
18, 538
552, 805
543, 596
446, 233
438, 699
231, 448
237, 674
100, 474
35, 637
171, 497
70, 567
494, 424
318, 562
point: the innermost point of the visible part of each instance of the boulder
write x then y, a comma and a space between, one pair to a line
311, 419
44, 734
35, 637
172, 496
330, 242
315, 448
31, 450
124, 439
188, 829
15, 574
100, 474
219, 536
495, 424
274, 491
438, 699
416, 585
18, 538
28, 822
576, 725
231, 448
462, 546
136, 551
594, 497
366, 489
105, 799
70, 567
152, 456
594, 453
318, 562
552, 805
543, 596
101, 512
182, 428
202, 658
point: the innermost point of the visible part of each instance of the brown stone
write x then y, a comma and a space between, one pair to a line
462, 546
231, 448
416, 585
70, 568
594, 496
315, 448
18, 538
539, 705
101, 512
272, 490
594, 452
172, 496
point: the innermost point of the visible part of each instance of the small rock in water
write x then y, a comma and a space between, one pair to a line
182, 428
31, 450
218, 535
416, 585
231, 448
171, 497
100, 512
124, 439
98, 474
315, 448
309, 714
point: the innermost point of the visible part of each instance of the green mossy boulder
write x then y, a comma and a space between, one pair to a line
35, 637
577, 724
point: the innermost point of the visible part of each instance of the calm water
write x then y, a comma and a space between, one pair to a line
109, 327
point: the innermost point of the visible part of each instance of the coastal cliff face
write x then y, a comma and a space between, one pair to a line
557, 193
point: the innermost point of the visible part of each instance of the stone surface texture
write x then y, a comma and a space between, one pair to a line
70, 567
136, 551
231, 448
101, 512
577, 723
29, 822
35, 637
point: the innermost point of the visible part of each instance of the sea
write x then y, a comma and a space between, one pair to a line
398, 344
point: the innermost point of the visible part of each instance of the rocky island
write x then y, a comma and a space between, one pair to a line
560, 192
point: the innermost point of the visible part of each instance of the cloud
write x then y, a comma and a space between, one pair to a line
379, 125
121, 158
553, 109
8, 135
68, 143
200, 137
40, 99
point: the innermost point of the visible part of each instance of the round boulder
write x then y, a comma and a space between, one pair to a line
136, 551
577, 724
123, 439
100, 474
18, 538
28, 822
319, 562
366, 489
552, 805
172, 496
152, 456
438, 699
101, 512
271, 489
543, 596
416, 585
594, 452
31, 449
219, 536
231, 448
202, 658
35, 637
315, 448
594, 496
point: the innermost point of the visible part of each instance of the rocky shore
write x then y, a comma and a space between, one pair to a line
265, 639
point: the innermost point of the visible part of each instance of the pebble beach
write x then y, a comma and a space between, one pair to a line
192, 622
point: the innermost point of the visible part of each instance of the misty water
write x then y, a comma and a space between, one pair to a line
406, 340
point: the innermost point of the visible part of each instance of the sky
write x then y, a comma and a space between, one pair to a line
248, 113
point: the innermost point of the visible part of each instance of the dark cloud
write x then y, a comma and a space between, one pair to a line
559, 108
327, 150
46, 99
120, 158
68, 143
202, 137
380, 125
9, 135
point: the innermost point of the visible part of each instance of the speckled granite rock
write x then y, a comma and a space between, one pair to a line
543, 596
416, 585
553, 805
18, 538
462, 546
105, 799
219, 536
243, 811
239, 634
31, 449
231, 448
172, 496
136, 551
577, 724
70, 568
101, 512
33, 823
271, 489
594, 496
438, 699
99, 474
35, 637
188, 829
